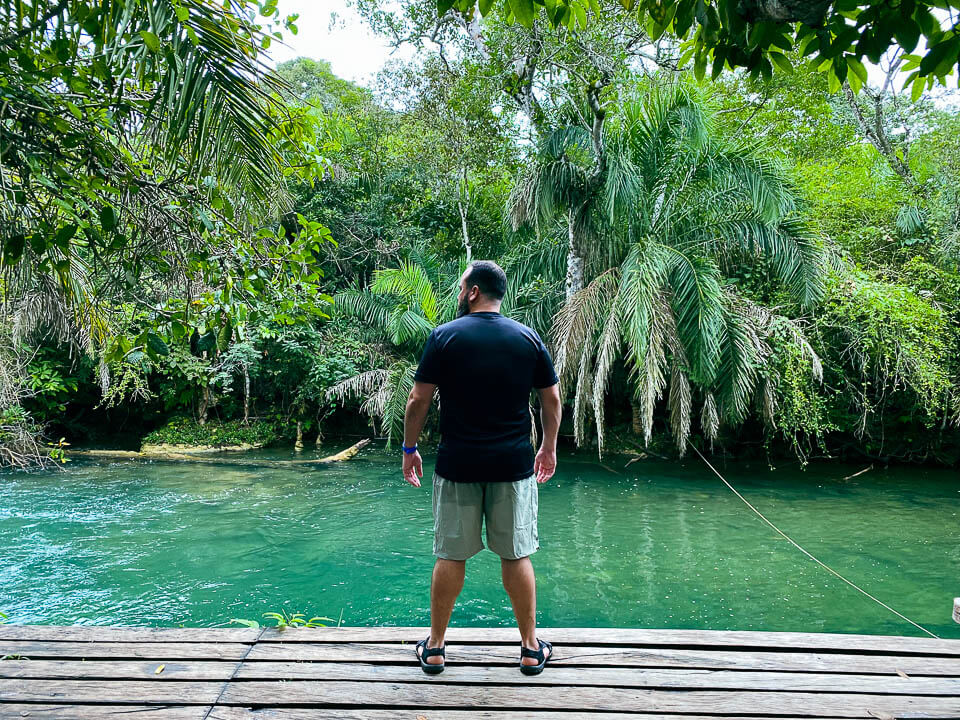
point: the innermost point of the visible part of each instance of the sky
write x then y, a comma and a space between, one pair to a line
352, 49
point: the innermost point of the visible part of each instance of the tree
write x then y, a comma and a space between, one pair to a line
567, 181
143, 146
682, 207
450, 128
758, 34
403, 305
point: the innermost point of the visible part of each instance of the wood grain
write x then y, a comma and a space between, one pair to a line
367, 672
91, 650
19, 711
371, 674
633, 637
620, 657
97, 633
420, 695
501, 635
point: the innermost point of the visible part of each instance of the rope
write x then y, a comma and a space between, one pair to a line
821, 564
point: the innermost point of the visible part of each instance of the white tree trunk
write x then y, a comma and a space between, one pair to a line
464, 230
246, 394
574, 280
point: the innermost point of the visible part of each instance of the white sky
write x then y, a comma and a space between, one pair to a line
352, 49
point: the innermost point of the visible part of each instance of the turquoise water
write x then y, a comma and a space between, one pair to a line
650, 545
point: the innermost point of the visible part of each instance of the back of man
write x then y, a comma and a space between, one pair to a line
485, 366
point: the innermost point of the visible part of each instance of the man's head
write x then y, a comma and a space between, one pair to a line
482, 287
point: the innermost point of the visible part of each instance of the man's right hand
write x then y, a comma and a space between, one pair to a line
545, 464
412, 468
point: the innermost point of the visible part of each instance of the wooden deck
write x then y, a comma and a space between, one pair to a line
372, 674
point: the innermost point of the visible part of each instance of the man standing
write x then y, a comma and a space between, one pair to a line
485, 366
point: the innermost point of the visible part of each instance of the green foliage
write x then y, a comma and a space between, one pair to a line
286, 620
187, 431
837, 37
894, 343
52, 383
177, 217
402, 305
677, 206
301, 364
853, 199
801, 408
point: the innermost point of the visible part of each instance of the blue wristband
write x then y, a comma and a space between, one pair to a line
409, 450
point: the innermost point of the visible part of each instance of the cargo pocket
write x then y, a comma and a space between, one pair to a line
525, 501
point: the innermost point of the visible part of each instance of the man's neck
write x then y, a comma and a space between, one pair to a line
485, 308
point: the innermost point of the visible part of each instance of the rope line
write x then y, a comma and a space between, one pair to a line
790, 540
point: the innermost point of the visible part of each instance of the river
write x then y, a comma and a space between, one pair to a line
652, 545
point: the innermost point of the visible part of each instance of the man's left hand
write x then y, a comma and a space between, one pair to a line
413, 468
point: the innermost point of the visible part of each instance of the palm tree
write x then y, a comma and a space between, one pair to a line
402, 305
677, 208
563, 185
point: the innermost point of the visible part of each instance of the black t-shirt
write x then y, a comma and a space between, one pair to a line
485, 366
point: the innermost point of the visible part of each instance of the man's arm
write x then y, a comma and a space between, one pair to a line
551, 409
418, 405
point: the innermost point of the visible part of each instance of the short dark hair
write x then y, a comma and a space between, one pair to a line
488, 277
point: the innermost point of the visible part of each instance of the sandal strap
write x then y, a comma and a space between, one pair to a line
431, 652
536, 654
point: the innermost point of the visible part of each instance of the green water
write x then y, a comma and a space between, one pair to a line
651, 545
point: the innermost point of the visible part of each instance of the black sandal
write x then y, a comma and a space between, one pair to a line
538, 655
429, 668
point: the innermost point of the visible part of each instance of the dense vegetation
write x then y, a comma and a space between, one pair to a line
200, 247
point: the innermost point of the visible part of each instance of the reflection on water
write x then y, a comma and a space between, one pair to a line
649, 545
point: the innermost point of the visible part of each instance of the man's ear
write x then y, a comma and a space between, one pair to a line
474, 294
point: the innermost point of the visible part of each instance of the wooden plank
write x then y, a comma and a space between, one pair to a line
90, 650
118, 669
135, 692
632, 637
618, 657
608, 677
569, 636
421, 695
555, 675
18, 711
98, 633
238, 713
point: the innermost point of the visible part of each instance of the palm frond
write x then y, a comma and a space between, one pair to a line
364, 305
697, 301
575, 326
407, 326
710, 419
680, 407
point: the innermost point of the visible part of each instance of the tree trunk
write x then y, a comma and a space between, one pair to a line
298, 445
246, 394
876, 134
463, 227
636, 418
574, 281
204, 404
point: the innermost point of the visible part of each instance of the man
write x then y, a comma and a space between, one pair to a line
485, 366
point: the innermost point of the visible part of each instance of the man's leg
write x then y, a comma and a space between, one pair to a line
444, 588
521, 585
457, 519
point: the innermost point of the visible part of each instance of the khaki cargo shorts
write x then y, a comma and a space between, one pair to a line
510, 509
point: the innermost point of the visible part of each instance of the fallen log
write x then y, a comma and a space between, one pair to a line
205, 460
